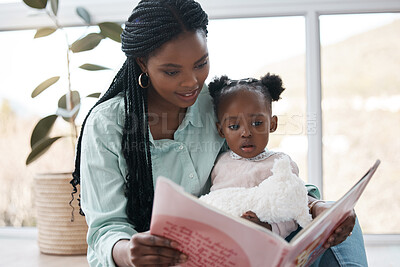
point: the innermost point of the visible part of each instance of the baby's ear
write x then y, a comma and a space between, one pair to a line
219, 128
274, 124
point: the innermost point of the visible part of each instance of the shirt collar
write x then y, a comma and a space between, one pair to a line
192, 116
151, 140
263, 155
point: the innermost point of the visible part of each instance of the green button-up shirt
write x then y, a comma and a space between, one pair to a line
187, 160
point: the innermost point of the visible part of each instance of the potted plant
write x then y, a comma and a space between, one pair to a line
59, 231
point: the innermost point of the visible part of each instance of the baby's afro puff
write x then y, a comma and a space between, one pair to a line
270, 85
273, 84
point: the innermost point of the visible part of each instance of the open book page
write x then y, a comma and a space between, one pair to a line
210, 237
307, 245
214, 238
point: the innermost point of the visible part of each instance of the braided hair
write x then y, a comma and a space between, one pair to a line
151, 24
269, 85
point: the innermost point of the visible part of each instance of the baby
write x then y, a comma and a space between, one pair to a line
245, 181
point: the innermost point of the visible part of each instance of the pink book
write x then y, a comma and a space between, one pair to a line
211, 237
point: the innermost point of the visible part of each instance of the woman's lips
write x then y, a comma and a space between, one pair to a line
188, 96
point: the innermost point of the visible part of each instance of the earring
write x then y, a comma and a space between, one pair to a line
146, 80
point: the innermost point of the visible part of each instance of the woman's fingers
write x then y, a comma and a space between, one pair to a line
147, 249
157, 260
152, 240
342, 232
162, 251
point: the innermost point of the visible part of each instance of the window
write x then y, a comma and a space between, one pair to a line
242, 48
25, 63
47, 58
362, 85
361, 113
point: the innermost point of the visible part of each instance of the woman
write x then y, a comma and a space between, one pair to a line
154, 120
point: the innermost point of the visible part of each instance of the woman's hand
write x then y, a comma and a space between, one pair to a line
145, 249
342, 231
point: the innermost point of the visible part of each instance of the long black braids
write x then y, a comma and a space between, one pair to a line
270, 85
151, 24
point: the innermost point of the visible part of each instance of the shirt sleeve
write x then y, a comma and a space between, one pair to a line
284, 229
313, 191
102, 186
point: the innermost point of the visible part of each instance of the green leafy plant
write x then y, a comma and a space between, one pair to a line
69, 103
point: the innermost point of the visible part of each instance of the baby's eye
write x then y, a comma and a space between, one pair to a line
233, 127
257, 123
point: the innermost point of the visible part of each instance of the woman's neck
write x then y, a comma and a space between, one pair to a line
164, 118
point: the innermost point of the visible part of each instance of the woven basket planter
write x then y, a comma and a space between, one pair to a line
57, 234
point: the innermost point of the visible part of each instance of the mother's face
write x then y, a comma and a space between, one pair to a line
177, 70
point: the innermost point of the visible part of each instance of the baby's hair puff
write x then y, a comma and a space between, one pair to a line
270, 85
273, 83
215, 89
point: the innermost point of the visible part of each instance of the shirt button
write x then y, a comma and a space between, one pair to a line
191, 175
180, 147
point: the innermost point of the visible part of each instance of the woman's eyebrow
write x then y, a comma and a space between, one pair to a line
201, 59
179, 66
171, 65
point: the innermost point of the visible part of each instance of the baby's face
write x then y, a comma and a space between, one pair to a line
245, 122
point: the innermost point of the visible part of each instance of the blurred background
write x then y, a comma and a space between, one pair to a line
360, 96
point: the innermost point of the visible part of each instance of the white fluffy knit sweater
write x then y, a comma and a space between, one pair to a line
279, 198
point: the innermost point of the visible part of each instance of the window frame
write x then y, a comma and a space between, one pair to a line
14, 16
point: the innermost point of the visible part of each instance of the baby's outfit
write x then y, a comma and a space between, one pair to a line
231, 170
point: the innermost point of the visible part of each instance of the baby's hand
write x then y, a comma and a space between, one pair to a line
251, 216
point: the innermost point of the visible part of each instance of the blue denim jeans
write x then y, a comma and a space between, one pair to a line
351, 252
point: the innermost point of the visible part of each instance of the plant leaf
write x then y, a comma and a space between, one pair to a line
42, 129
88, 42
44, 85
111, 30
54, 6
40, 148
94, 95
42, 32
39, 4
93, 67
84, 14
62, 104
76, 99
